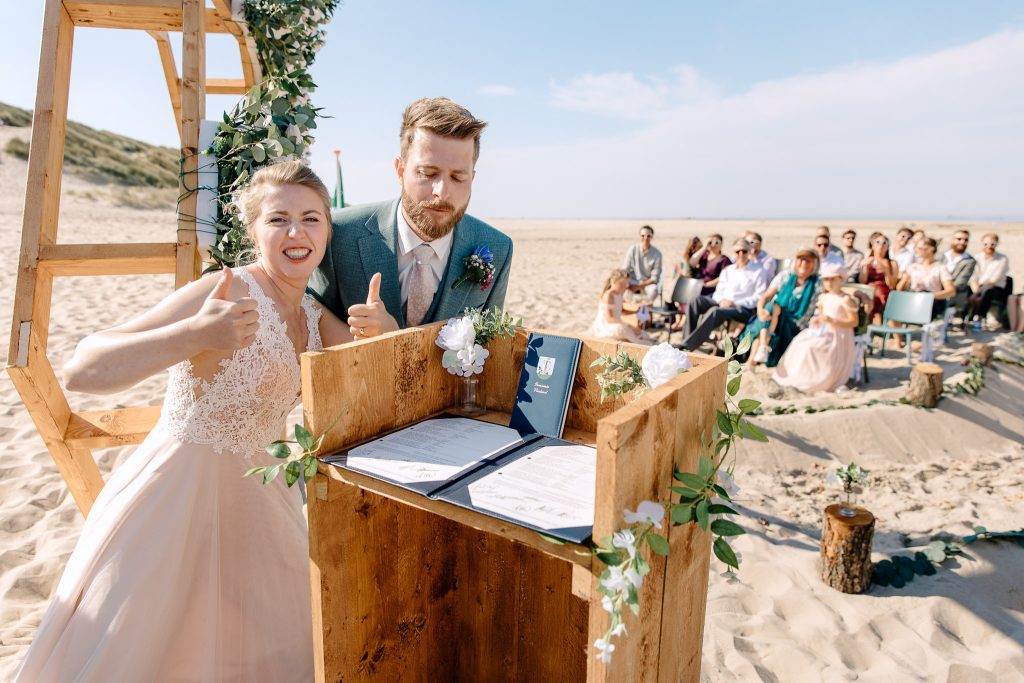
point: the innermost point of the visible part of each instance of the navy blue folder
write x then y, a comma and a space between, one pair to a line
545, 384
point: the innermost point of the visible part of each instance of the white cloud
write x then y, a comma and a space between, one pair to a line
498, 90
929, 135
622, 94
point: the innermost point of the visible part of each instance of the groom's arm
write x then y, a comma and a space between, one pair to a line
496, 297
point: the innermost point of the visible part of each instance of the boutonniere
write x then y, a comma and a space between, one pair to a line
479, 268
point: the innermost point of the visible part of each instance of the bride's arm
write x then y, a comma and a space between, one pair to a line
206, 315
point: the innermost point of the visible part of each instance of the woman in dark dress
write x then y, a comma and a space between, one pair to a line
879, 270
709, 262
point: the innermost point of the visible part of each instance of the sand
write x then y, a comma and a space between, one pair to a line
935, 473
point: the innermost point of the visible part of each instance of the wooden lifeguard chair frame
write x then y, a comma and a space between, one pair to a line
68, 435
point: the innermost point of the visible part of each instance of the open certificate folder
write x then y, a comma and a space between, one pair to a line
428, 454
534, 480
550, 489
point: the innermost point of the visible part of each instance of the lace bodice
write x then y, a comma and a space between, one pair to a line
244, 406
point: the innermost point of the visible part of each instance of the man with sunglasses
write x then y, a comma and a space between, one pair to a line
739, 287
827, 252
643, 263
960, 265
759, 256
989, 282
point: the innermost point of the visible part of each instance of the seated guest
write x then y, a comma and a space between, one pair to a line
852, 257
820, 358
901, 251
759, 255
878, 270
830, 253
988, 283
928, 275
735, 298
684, 268
643, 263
960, 265
608, 322
708, 262
784, 309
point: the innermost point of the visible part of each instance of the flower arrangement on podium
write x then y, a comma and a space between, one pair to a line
703, 497
464, 340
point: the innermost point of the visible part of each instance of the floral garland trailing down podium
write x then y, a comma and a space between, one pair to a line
703, 497
275, 119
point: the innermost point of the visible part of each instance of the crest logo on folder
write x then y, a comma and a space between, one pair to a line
545, 367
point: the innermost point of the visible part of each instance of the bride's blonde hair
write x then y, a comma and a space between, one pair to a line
248, 200
616, 275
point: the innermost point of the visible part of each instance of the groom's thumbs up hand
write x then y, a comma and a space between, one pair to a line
225, 323
372, 318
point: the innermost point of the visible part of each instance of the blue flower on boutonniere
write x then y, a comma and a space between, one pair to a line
479, 268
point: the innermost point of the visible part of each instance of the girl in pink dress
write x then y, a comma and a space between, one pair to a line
185, 570
608, 322
820, 358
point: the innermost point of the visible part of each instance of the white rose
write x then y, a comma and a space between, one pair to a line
457, 334
662, 363
472, 359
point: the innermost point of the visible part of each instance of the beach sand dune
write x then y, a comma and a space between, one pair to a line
934, 473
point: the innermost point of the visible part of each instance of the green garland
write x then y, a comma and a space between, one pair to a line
275, 119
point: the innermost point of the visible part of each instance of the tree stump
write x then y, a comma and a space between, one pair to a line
846, 549
983, 352
925, 385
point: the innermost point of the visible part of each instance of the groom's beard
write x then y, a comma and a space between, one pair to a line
431, 225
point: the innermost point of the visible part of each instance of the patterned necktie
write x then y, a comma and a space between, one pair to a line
421, 285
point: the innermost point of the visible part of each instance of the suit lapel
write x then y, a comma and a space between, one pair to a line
377, 252
450, 302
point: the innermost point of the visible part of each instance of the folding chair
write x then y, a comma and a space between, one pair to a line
685, 290
909, 308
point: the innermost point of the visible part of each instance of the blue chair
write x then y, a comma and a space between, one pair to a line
909, 308
685, 290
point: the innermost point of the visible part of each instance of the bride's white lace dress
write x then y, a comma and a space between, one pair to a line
185, 570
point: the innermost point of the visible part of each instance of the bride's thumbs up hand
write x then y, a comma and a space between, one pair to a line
223, 323
372, 318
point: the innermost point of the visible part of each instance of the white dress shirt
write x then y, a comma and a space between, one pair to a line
741, 286
407, 241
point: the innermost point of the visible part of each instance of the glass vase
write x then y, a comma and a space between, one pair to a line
472, 396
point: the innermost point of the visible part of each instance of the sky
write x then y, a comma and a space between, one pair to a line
731, 109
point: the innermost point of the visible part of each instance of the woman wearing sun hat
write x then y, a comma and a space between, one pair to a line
820, 357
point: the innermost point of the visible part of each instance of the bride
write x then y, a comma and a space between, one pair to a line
185, 570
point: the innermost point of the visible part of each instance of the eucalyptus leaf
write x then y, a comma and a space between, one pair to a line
658, 544
702, 514
682, 514
748, 405
292, 472
279, 450
719, 509
304, 438
612, 559
310, 469
724, 527
270, 473
753, 432
693, 481
724, 552
733, 386
253, 470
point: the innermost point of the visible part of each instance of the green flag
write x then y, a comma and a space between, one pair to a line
338, 198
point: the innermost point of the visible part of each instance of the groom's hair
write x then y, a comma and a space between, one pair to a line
441, 116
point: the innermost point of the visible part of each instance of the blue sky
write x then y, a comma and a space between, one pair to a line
656, 109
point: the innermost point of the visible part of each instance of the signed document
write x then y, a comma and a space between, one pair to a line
431, 451
551, 488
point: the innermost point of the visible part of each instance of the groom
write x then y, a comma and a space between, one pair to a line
418, 243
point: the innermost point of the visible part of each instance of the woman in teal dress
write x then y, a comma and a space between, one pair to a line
784, 310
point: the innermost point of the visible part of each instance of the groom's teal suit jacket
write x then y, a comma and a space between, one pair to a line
365, 242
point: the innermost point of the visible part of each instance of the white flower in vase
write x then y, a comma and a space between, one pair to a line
662, 363
457, 334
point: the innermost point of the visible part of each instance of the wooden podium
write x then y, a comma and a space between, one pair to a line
411, 589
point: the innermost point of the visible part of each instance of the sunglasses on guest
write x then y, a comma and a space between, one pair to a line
713, 242
987, 245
